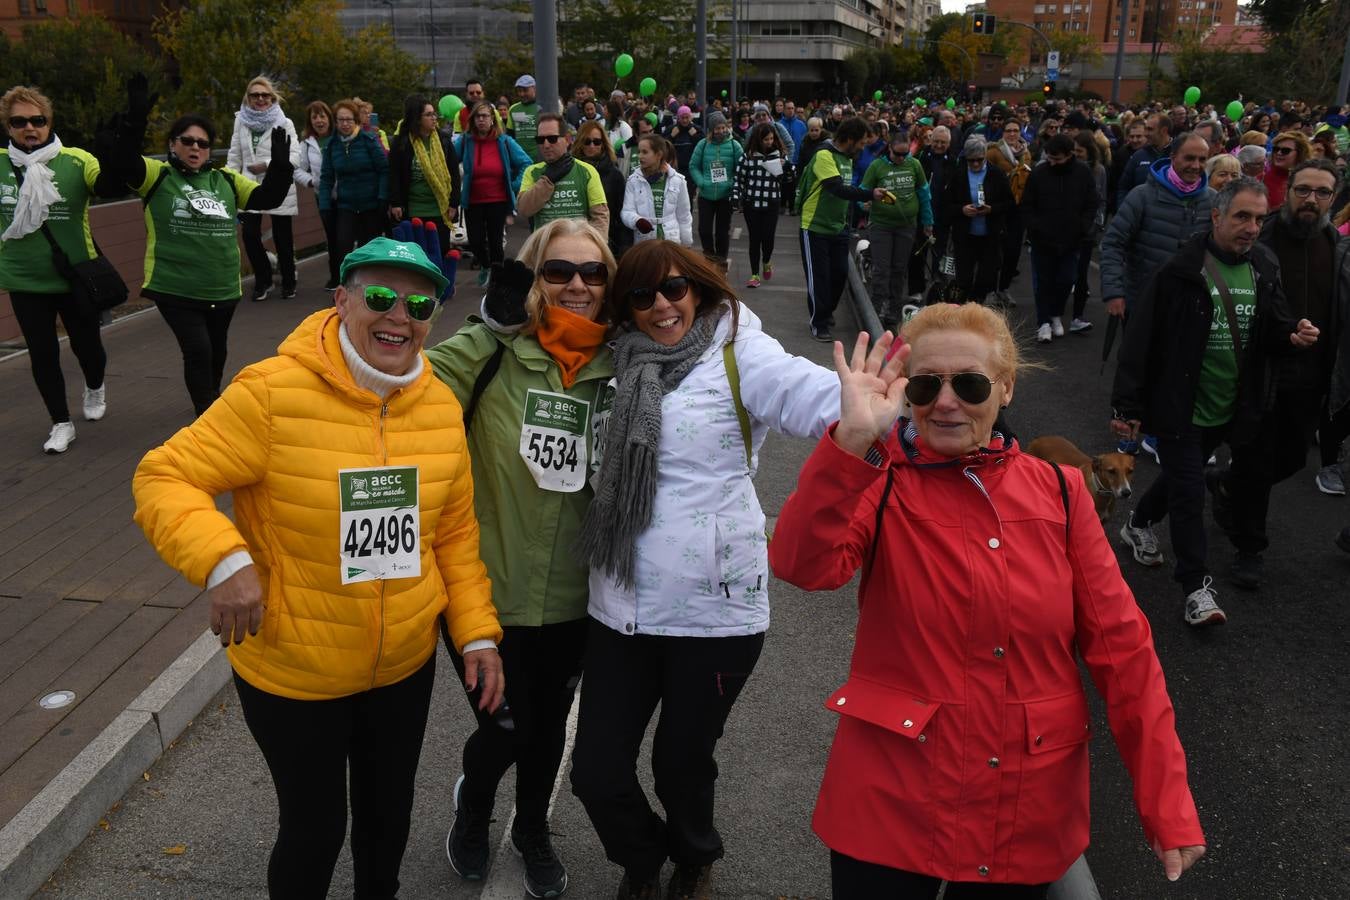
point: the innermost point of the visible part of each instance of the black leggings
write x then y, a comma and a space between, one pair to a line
486, 223
282, 237
761, 224
853, 879
356, 228
202, 329
714, 226
37, 320
329, 219
1331, 432
542, 665
312, 748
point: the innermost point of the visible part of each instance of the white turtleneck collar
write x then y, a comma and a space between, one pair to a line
367, 376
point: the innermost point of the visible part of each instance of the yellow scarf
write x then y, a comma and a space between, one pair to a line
571, 340
431, 157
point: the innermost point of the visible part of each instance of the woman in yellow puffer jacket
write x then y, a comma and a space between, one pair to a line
353, 533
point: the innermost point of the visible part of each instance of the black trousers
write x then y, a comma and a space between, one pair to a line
977, 261
825, 259
921, 263
313, 749
1054, 270
486, 223
282, 237
852, 879
542, 666
37, 320
1279, 451
761, 224
329, 219
1332, 430
1014, 232
1178, 493
202, 330
356, 228
695, 680
714, 226
788, 194
1080, 284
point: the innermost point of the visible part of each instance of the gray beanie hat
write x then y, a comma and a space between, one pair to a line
715, 118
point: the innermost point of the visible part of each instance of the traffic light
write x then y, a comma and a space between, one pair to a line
983, 23
1048, 89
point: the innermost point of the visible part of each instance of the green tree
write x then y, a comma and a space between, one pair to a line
1280, 16
81, 63
300, 44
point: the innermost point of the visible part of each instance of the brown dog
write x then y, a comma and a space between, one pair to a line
1107, 474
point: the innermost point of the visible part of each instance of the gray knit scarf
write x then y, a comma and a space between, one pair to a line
625, 489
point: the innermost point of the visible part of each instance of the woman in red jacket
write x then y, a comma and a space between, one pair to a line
961, 751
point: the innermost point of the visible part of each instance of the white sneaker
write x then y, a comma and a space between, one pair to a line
1329, 481
1043, 334
1142, 541
1078, 326
95, 402
1201, 608
1056, 326
62, 434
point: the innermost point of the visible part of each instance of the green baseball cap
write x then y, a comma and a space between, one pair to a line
384, 251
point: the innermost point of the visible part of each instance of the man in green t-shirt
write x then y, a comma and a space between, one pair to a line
893, 223
524, 117
559, 186
1191, 378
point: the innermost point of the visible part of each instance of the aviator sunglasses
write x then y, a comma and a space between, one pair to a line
673, 289
25, 121
380, 299
560, 271
969, 387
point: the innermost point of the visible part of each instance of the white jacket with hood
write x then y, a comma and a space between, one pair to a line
242, 154
676, 218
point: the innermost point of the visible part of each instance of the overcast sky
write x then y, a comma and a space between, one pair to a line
955, 5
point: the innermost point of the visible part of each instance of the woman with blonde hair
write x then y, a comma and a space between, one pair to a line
250, 152
592, 144
544, 350
1287, 150
1221, 169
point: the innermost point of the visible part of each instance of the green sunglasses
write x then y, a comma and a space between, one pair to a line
381, 299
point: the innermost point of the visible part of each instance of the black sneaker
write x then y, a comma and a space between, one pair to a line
634, 887
331, 285
544, 874
260, 293
823, 335
1247, 571
1343, 539
1221, 505
466, 844
288, 293
690, 883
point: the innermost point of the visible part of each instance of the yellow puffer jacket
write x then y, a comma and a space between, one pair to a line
277, 438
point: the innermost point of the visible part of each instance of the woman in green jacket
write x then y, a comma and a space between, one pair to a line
354, 180
534, 401
44, 196
712, 168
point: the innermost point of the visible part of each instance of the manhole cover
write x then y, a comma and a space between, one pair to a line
57, 699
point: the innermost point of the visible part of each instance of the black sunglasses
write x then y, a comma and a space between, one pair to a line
380, 299
560, 271
548, 138
673, 289
25, 121
1279, 151
594, 142
203, 143
259, 95
970, 387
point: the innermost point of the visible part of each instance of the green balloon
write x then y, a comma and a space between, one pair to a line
877, 95
724, 93
1192, 96
648, 86
623, 65
449, 106
951, 103
1234, 110
919, 101
651, 117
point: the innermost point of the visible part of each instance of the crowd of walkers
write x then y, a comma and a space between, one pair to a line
564, 486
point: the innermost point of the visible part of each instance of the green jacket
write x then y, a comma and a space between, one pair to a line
525, 532
713, 167
26, 262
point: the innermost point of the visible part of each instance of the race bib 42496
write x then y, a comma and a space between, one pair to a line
379, 535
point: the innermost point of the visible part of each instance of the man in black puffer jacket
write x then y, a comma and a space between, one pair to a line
1058, 207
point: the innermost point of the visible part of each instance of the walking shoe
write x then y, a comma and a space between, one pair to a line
753, 282
1079, 326
1057, 326
331, 285
1127, 446
288, 292
1247, 571
768, 271
544, 874
908, 310
96, 403
1201, 608
1043, 334
1220, 505
1004, 298
483, 276
634, 887
1143, 541
823, 335
1343, 539
466, 844
62, 434
1329, 481
260, 292
1149, 444
690, 883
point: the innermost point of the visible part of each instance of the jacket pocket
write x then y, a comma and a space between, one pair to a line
887, 707
1057, 723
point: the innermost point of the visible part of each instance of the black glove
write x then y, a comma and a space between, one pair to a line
106, 134
281, 144
644, 226
557, 170
139, 99
508, 285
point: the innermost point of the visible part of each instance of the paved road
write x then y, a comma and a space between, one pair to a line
1261, 706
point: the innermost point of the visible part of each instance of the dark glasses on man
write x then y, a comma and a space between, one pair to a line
25, 121
560, 271
673, 289
380, 299
548, 138
969, 387
202, 143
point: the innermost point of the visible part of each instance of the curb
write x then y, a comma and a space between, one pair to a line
37, 840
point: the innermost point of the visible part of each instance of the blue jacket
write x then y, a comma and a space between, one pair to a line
797, 128
871, 152
514, 162
355, 174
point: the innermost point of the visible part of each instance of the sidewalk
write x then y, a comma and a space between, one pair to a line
85, 604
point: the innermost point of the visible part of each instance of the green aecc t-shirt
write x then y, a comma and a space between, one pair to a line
1216, 390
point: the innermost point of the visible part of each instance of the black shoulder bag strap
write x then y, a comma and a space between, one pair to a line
881, 510
485, 376
62, 260
159, 179
1229, 310
1063, 496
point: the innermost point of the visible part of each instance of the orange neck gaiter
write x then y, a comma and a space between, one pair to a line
571, 340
